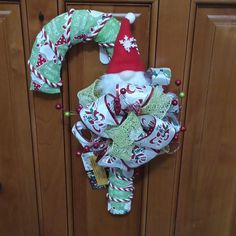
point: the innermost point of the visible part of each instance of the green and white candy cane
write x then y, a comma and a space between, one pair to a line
59, 35
120, 191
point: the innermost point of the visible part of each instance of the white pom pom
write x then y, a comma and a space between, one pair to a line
131, 17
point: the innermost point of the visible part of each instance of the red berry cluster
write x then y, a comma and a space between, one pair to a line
87, 149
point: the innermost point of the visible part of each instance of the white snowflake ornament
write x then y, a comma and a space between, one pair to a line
129, 43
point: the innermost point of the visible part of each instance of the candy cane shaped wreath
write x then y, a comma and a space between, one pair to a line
129, 127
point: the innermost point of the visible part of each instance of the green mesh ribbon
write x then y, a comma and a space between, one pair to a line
88, 95
158, 104
123, 137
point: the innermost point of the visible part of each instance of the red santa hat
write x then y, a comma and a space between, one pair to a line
126, 54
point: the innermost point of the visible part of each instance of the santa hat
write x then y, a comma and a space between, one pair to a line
126, 54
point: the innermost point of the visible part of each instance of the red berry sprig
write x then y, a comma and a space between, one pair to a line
58, 106
174, 102
96, 145
123, 91
78, 153
86, 149
178, 82
79, 108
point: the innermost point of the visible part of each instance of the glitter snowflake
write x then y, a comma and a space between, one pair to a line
129, 43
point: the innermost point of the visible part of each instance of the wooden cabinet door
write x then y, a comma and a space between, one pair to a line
90, 206
18, 209
207, 190
47, 129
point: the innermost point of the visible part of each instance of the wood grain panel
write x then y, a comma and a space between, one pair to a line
49, 138
18, 206
164, 172
208, 180
90, 207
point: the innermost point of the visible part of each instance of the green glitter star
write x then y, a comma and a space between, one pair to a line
123, 137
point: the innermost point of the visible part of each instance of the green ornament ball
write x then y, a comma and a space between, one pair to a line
67, 113
182, 94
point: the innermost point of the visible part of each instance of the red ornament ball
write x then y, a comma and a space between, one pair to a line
174, 102
178, 82
183, 129
123, 91
176, 137
58, 106
78, 153
137, 172
86, 149
165, 87
117, 100
79, 108
96, 145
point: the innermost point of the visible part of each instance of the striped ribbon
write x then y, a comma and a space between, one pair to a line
52, 46
36, 73
68, 25
119, 199
107, 45
122, 177
126, 189
94, 31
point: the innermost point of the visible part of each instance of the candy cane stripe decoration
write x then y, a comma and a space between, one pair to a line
118, 199
68, 25
106, 45
122, 177
52, 46
36, 73
126, 189
94, 32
